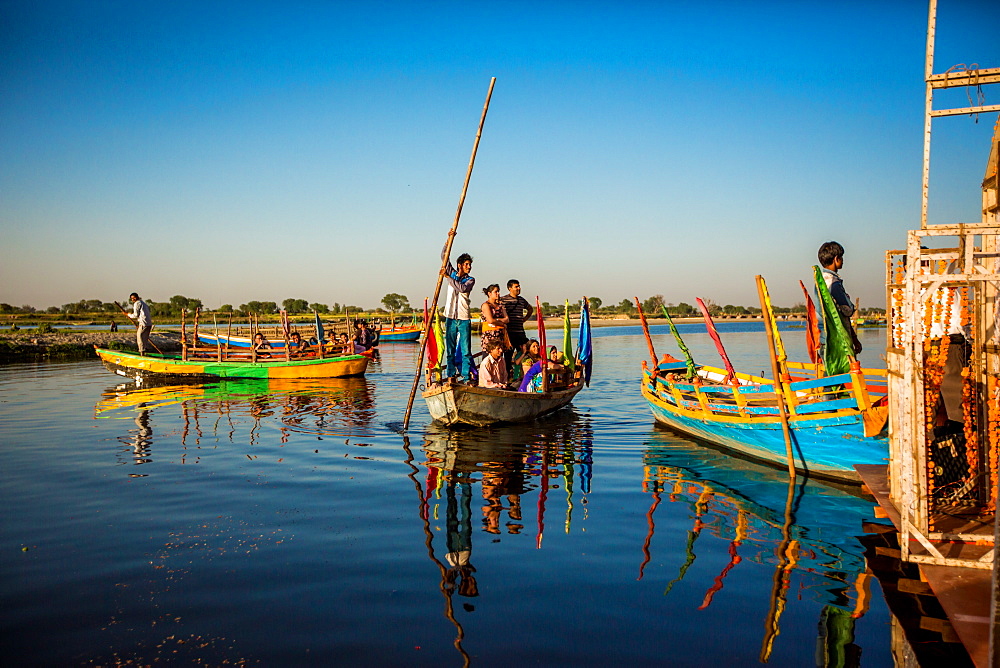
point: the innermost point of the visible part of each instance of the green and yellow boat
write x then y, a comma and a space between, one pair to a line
176, 369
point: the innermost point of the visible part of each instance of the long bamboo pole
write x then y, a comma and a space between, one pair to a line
778, 589
447, 254
779, 392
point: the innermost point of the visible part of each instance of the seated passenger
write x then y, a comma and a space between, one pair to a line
524, 359
493, 369
363, 336
261, 344
297, 347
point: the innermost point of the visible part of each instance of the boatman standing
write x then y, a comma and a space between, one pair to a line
143, 322
458, 328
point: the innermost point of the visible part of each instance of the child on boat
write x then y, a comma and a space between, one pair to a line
493, 368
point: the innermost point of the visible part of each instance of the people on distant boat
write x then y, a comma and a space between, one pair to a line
297, 347
831, 259
114, 326
458, 327
261, 345
518, 311
363, 337
494, 319
143, 322
493, 368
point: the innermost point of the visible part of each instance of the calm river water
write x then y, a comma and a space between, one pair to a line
290, 524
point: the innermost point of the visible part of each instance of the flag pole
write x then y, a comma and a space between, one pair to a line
447, 254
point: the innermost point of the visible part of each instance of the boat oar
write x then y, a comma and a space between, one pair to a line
447, 253
136, 325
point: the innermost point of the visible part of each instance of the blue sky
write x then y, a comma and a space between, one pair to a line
316, 150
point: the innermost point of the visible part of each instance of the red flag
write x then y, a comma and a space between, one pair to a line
714, 333
812, 327
541, 341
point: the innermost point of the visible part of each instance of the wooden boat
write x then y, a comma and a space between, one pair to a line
279, 345
453, 403
201, 368
826, 416
397, 334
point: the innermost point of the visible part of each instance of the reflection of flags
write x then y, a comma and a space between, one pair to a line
435, 343
688, 360
567, 340
839, 350
585, 349
320, 335
714, 333
812, 327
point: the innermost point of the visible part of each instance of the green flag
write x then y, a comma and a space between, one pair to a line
691, 370
838, 352
567, 340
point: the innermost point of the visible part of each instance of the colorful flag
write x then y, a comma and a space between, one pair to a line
688, 360
779, 348
320, 334
812, 327
714, 333
585, 348
435, 343
567, 340
838, 353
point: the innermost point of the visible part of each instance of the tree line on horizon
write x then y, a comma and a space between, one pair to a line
396, 303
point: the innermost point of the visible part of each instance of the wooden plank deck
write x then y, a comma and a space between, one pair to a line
964, 593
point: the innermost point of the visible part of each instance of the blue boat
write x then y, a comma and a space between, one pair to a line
826, 416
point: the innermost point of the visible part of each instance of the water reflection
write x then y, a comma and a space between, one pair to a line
508, 463
241, 411
805, 530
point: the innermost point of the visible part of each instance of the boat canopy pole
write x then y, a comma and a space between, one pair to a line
447, 254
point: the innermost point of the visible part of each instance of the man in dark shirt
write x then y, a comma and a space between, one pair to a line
518, 310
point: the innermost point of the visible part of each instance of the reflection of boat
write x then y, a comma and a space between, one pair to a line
749, 505
321, 406
457, 403
173, 368
806, 530
825, 415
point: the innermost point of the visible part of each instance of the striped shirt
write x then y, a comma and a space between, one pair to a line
518, 310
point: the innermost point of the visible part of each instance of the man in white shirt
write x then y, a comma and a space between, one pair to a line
458, 328
143, 322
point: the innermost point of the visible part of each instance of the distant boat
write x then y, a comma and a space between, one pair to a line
207, 367
826, 416
396, 334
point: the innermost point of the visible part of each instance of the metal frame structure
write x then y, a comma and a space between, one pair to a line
919, 282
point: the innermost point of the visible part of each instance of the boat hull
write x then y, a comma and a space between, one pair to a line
386, 336
823, 447
457, 403
174, 369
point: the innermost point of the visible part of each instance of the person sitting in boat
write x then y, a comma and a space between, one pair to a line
493, 368
529, 354
260, 344
345, 344
297, 347
494, 318
363, 336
